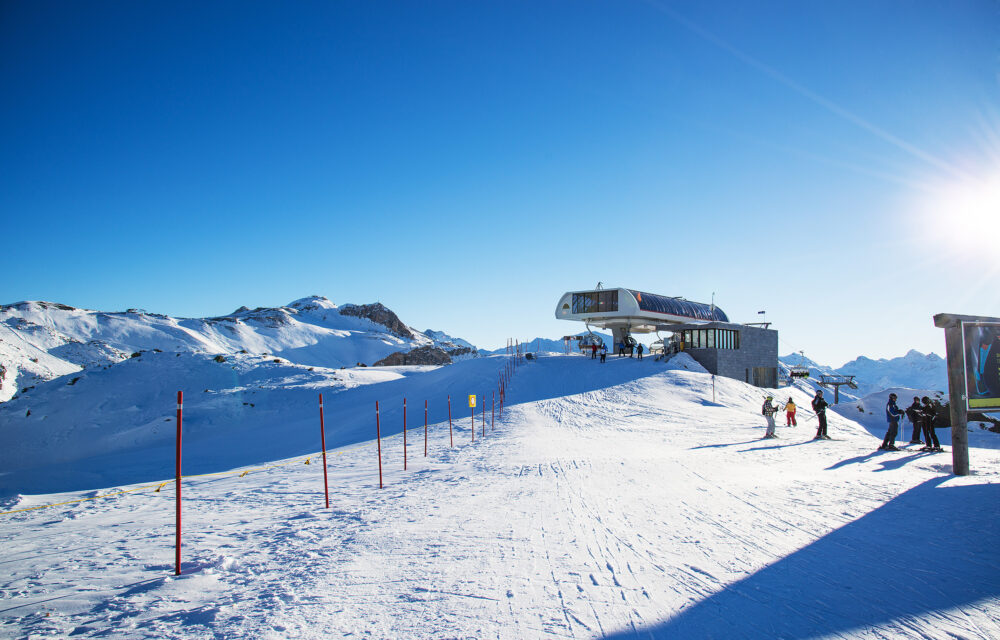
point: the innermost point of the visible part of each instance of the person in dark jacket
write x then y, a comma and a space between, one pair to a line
913, 415
639, 350
927, 415
819, 405
892, 416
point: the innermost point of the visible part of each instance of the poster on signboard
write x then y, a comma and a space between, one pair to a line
982, 364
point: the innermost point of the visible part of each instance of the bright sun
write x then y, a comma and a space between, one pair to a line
965, 215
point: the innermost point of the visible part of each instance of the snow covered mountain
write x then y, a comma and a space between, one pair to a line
912, 371
40, 341
545, 345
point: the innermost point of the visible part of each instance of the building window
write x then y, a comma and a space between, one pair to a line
608, 301
710, 338
595, 302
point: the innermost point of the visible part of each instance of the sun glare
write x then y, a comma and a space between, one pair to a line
965, 215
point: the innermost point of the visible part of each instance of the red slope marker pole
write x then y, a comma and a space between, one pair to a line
322, 443
180, 416
493, 411
472, 411
483, 414
404, 434
451, 438
425, 428
378, 437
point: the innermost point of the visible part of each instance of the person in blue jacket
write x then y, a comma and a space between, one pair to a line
892, 416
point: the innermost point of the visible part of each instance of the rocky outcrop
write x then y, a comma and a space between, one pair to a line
422, 355
379, 314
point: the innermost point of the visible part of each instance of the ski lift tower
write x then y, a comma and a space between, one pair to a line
837, 381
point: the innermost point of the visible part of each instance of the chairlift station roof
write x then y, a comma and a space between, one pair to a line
635, 311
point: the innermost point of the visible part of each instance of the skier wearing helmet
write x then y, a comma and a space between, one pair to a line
892, 416
913, 414
819, 405
928, 413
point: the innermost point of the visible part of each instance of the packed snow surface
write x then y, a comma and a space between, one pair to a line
622, 500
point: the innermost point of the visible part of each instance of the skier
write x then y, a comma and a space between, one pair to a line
621, 349
604, 352
639, 350
819, 405
927, 415
892, 416
593, 351
913, 415
790, 414
768, 410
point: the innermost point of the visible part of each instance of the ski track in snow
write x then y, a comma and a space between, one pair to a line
619, 512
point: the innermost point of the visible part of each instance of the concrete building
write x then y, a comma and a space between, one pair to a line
739, 351
747, 352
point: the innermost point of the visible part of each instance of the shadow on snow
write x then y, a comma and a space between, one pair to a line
930, 549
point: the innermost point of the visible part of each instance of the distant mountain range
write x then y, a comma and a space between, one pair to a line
546, 345
915, 370
40, 341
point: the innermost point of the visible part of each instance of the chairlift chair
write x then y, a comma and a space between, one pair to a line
590, 339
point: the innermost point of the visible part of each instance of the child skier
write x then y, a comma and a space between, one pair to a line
790, 414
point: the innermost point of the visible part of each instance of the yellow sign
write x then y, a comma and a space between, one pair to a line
472, 401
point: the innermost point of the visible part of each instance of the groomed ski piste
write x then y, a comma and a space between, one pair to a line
618, 500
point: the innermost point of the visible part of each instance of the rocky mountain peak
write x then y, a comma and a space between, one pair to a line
379, 314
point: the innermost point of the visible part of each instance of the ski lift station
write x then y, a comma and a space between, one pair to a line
747, 352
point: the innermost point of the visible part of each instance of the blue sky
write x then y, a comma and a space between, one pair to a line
835, 164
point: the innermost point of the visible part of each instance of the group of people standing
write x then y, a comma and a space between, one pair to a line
819, 405
603, 351
768, 411
632, 349
921, 414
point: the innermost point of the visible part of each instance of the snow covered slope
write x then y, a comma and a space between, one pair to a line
616, 500
115, 425
42, 340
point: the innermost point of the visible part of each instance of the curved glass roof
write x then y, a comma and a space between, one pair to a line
678, 307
